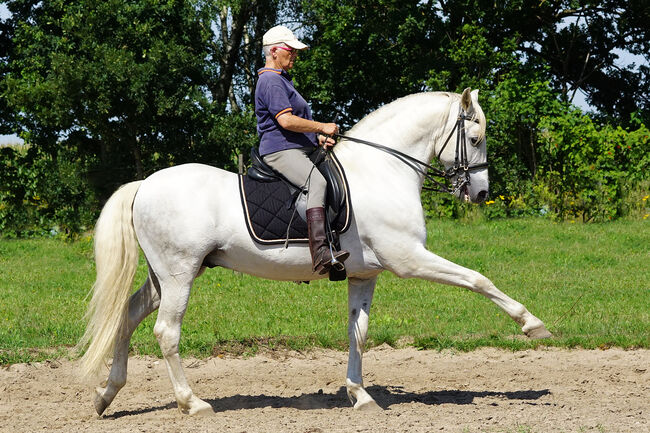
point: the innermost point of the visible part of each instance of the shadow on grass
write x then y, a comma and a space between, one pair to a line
385, 396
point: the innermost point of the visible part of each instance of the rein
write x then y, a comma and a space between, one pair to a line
430, 172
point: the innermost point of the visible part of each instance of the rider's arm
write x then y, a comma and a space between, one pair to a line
298, 124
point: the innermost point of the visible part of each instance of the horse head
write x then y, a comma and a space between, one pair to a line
467, 160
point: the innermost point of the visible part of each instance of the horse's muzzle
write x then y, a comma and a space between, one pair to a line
481, 196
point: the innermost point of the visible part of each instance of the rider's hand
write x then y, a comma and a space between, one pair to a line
326, 141
329, 128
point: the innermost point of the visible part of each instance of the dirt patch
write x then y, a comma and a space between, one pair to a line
487, 390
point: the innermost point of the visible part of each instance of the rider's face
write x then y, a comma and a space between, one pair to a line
284, 57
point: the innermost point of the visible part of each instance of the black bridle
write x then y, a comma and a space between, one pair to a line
461, 164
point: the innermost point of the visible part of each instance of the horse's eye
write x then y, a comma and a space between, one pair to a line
474, 141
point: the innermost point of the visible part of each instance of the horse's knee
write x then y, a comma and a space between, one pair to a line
358, 328
358, 337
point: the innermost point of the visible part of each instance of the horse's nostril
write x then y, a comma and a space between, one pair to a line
481, 196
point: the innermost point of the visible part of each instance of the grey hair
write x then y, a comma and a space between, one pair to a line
267, 49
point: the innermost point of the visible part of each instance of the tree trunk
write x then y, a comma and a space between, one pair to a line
133, 140
231, 45
137, 158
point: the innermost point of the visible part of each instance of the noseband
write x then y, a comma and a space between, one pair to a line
461, 163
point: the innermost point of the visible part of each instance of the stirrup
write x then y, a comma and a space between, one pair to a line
335, 263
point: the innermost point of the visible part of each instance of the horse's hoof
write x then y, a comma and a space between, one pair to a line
202, 411
368, 406
538, 333
197, 407
100, 403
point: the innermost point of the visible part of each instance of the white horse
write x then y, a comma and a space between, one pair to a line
190, 216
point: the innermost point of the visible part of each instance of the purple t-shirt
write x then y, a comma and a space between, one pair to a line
274, 96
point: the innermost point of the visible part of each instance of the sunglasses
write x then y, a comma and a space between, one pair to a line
292, 51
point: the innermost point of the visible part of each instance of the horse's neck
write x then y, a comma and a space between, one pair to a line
407, 125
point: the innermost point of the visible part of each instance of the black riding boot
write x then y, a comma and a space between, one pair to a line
321, 257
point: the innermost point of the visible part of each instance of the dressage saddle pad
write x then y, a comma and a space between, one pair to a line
270, 206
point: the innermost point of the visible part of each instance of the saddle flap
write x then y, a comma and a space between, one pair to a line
262, 172
335, 192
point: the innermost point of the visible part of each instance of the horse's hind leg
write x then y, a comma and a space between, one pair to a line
360, 294
175, 292
141, 304
421, 263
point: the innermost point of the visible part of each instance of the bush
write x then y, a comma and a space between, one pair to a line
60, 192
551, 160
588, 171
41, 195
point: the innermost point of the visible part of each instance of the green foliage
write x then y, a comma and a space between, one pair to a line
105, 93
43, 196
115, 81
514, 108
587, 170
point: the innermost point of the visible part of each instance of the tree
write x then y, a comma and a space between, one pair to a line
109, 78
125, 88
395, 47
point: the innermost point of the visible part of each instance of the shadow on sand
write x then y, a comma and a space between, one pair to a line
385, 396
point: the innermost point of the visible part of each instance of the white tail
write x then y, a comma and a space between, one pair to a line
116, 258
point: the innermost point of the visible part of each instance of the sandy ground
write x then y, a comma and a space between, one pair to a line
487, 390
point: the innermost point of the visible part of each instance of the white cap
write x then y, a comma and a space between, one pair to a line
281, 34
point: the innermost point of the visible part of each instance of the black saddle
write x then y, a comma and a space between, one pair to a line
272, 204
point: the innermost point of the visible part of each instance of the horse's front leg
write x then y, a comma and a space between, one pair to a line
360, 294
418, 262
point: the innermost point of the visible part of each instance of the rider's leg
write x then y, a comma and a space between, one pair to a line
295, 165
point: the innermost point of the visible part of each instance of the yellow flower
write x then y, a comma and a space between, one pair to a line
646, 216
645, 198
502, 197
489, 202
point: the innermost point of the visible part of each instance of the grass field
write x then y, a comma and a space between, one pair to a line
589, 283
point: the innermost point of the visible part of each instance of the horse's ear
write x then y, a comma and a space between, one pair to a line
466, 99
475, 95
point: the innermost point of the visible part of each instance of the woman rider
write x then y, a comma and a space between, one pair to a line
288, 134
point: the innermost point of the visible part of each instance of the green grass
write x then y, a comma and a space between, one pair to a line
589, 283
